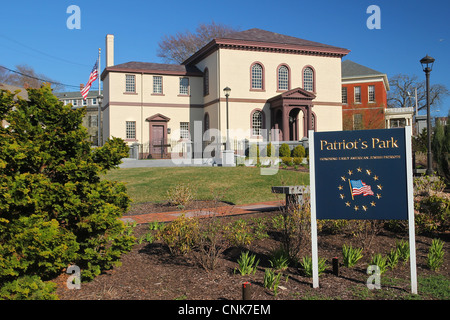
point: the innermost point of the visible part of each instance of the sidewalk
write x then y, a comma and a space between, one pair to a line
219, 211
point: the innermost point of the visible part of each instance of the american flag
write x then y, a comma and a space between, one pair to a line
92, 77
359, 187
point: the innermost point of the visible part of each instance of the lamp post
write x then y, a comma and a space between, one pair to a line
228, 154
427, 66
99, 117
227, 91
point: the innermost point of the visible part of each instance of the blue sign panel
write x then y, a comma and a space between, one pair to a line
361, 174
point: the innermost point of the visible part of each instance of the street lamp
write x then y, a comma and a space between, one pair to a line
427, 66
227, 91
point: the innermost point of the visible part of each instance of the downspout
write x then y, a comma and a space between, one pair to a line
142, 111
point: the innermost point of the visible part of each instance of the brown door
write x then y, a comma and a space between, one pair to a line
157, 140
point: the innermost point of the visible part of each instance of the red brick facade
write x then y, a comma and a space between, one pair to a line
364, 114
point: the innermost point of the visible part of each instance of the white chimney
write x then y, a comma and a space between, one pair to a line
109, 50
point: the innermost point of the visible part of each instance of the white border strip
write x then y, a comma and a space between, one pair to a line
312, 187
410, 197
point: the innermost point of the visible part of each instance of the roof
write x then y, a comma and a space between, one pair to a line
259, 35
352, 70
258, 39
75, 94
154, 68
23, 92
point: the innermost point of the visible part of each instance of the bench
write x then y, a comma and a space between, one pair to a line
294, 194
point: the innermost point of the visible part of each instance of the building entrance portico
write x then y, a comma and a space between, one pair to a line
285, 114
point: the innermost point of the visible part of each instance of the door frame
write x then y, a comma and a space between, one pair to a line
157, 120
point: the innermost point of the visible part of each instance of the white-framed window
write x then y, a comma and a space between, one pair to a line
93, 121
157, 84
308, 79
184, 86
94, 101
358, 94
74, 102
130, 83
344, 95
84, 101
257, 76
283, 78
257, 119
130, 130
371, 93
184, 130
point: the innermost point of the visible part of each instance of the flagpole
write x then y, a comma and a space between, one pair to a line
98, 100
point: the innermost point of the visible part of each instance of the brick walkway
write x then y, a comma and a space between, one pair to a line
222, 211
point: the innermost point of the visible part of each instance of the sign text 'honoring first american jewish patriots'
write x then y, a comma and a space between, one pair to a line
361, 174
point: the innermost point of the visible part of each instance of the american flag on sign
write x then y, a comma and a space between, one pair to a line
359, 187
92, 77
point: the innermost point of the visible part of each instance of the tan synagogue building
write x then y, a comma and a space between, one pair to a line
276, 81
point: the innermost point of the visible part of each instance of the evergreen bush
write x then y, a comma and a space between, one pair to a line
284, 150
55, 208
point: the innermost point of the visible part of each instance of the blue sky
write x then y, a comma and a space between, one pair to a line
35, 32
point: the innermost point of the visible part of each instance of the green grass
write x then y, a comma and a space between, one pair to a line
239, 185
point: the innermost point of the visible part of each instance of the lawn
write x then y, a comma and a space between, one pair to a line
238, 185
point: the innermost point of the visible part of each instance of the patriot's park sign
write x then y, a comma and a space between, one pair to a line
365, 174
361, 174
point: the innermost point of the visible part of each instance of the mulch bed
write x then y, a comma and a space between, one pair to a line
150, 272
152, 207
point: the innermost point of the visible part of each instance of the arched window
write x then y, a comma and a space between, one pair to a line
206, 82
257, 74
308, 79
283, 78
257, 122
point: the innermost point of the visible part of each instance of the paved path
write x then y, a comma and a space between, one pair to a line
133, 163
218, 211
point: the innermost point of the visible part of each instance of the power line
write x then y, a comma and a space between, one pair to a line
43, 80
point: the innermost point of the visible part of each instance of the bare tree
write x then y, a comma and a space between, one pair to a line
25, 76
402, 89
177, 48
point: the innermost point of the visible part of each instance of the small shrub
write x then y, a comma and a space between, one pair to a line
380, 261
284, 150
427, 185
28, 288
299, 152
180, 195
259, 228
272, 281
435, 257
247, 264
403, 250
297, 160
306, 265
434, 214
180, 235
239, 233
279, 259
392, 258
211, 244
287, 161
351, 256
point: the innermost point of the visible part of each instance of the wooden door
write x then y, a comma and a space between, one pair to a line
157, 140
